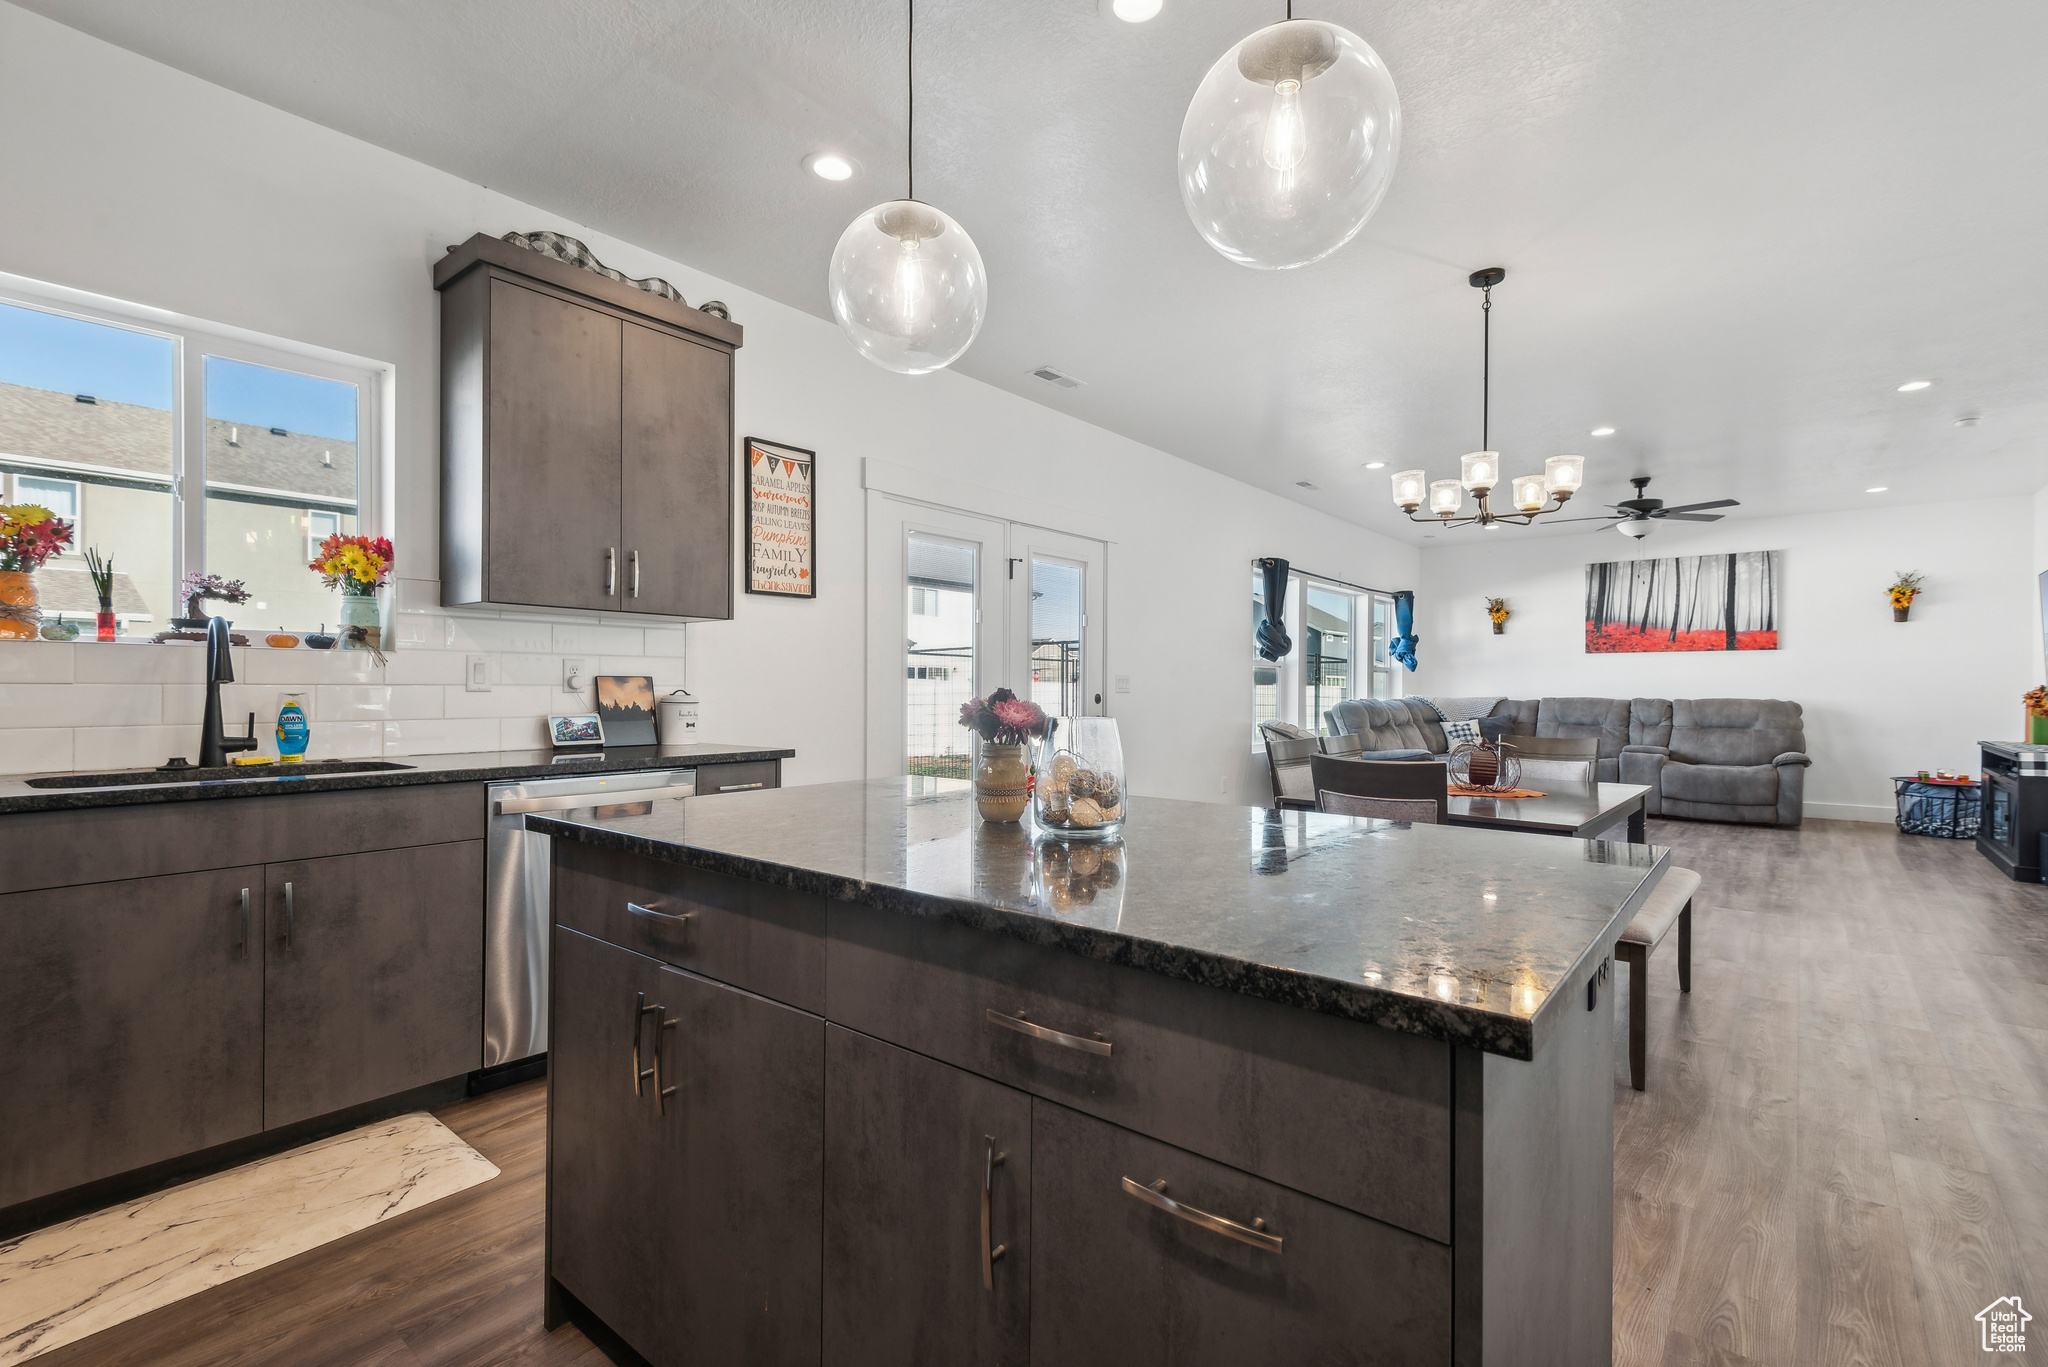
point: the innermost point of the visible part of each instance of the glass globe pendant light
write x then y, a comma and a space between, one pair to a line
907, 284
1289, 144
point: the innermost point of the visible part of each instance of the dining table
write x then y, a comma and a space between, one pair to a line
1579, 809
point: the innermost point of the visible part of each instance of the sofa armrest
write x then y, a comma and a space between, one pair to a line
1644, 764
1791, 788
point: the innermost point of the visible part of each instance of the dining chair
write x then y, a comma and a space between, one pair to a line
1556, 759
1343, 745
1293, 786
1418, 810
1404, 780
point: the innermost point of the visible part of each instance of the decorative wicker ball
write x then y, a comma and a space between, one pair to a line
1479, 765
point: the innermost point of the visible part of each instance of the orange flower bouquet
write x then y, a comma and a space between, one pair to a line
357, 565
2037, 716
1903, 591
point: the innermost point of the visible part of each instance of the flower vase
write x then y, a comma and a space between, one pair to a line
1002, 782
362, 621
1500, 628
109, 628
18, 613
1080, 791
1899, 614
2037, 730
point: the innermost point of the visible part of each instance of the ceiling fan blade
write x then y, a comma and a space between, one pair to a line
1560, 521
1693, 517
1695, 507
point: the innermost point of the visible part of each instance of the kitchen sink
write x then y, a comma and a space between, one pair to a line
225, 773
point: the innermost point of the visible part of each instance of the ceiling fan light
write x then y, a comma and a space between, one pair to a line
1564, 475
1480, 471
1634, 528
1410, 488
1529, 493
1446, 497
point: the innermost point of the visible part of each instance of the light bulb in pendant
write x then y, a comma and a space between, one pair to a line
1286, 138
908, 287
910, 294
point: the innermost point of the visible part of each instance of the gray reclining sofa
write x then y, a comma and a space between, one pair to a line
1714, 759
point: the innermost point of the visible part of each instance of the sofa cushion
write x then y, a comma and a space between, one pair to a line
1734, 731
1727, 785
1649, 721
1518, 713
1667, 899
1392, 723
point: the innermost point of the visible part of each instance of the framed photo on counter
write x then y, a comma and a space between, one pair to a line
782, 520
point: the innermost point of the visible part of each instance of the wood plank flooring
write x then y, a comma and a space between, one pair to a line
1842, 1155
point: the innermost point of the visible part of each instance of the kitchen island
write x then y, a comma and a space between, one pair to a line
1244, 1086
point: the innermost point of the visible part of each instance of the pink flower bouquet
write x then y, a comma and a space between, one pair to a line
1003, 718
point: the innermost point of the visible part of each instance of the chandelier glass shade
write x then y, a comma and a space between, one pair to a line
1289, 144
908, 288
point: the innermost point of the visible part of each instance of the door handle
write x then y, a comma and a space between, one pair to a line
636, 574
641, 1010
611, 571
242, 949
990, 1255
289, 917
740, 787
1096, 1045
1253, 1233
661, 1093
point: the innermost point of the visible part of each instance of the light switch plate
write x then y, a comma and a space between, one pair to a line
1123, 683
476, 673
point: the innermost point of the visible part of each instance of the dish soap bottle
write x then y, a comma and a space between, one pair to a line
293, 735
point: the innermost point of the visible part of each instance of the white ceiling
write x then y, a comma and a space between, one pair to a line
1730, 229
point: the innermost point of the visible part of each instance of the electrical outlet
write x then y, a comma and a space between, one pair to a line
476, 673
1123, 683
572, 676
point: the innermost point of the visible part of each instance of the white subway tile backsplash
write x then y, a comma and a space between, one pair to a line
180, 663
33, 750
667, 674
345, 740
132, 747
666, 642
423, 667
36, 662
523, 733
185, 705
504, 701
443, 737
70, 704
304, 668
497, 634
584, 638
543, 671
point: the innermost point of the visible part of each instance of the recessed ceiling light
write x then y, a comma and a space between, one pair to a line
829, 166
1878, 490
1375, 465
1603, 431
1131, 11
1909, 386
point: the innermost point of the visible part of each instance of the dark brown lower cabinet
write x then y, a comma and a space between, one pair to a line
686, 1216
373, 976
927, 1211
1117, 1281
131, 1025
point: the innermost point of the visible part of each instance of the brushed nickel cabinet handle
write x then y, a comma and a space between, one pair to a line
242, 949
611, 571
1096, 1045
661, 1093
636, 574
740, 787
991, 1254
290, 915
676, 916
1253, 1233
641, 1011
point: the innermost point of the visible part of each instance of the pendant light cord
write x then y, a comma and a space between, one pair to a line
1485, 365
910, 103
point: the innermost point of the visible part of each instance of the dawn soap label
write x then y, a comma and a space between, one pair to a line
292, 731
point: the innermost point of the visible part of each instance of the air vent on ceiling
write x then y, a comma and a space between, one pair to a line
1303, 484
1059, 378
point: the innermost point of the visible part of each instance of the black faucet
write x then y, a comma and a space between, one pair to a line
214, 746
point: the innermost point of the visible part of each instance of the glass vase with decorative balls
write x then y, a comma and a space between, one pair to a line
1080, 793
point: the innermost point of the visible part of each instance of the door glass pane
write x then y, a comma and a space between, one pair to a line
938, 665
1265, 673
85, 431
280, 467
1056, 637
1382, 631
1327, 663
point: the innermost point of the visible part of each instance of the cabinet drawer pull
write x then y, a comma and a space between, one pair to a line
242, 949
678, 917
1096, 1045
641, 1011
1253, 1233
740, 787
289, 916
661, 1093
636, 574
991, 1254
611, 571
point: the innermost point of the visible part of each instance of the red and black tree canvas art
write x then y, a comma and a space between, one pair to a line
1683, 602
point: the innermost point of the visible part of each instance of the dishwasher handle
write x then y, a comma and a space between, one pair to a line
519, 806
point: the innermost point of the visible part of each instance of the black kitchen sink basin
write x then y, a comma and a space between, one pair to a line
226, 773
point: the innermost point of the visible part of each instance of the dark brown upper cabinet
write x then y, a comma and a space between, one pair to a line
586, 440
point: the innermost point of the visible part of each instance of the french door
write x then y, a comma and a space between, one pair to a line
960, 604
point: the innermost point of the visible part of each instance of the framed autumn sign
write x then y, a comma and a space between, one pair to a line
782, 520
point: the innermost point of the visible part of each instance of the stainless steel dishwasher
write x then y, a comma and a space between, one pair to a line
516, 903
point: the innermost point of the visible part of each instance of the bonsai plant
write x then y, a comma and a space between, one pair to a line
198, 587
1905, 588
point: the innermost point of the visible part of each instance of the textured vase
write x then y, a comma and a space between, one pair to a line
1500, 628
1002, 782
18, 614
1899, 614
361, 610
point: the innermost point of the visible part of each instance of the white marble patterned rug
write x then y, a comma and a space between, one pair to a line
59, 1284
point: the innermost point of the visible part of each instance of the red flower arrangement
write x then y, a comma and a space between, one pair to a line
29, 535
356, 565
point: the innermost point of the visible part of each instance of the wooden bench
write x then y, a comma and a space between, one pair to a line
1670, 901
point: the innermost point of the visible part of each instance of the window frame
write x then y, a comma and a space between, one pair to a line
192, 341
1291, 703
78, 540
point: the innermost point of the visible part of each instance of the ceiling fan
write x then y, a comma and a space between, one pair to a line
1632, 516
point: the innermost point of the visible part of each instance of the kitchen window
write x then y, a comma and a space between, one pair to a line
177, 449
1340, 638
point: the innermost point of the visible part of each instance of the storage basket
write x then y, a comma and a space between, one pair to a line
1948, 810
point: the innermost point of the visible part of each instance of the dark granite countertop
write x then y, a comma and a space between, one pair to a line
488, 766
1454, 933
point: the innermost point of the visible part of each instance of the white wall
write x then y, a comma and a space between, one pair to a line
1880, 698
132, 180
2040, 568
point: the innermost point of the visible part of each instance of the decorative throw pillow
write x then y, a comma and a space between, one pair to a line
1458, 733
